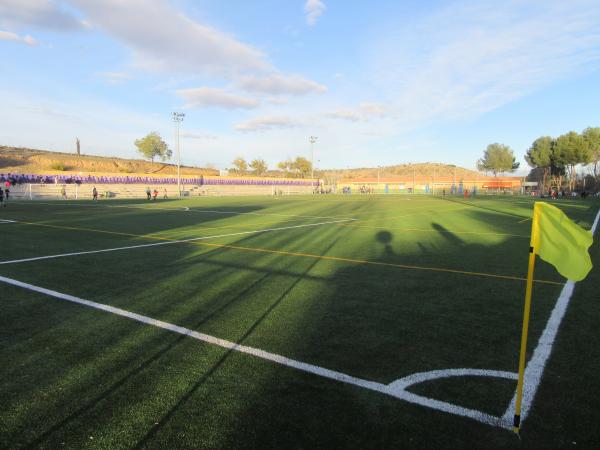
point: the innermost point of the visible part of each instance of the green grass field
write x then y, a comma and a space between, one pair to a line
365, 289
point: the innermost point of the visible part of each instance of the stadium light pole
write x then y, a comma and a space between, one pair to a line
312, 140
177, 119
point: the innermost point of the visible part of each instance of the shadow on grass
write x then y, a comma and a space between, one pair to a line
137, 370
213, 369
375, 322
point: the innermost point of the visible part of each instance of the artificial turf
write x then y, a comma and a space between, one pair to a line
411, 284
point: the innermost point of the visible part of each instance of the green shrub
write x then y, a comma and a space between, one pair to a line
58, 166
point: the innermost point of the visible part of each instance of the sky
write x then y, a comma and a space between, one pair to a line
378, 83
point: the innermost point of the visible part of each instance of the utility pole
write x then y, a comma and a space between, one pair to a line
177, 119
312, 140
454, 182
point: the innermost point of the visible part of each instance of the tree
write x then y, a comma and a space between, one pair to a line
259, 166
301, 166
240, 165
591, 136
571, 149
152, 146
285, 166
498, 158
540, 155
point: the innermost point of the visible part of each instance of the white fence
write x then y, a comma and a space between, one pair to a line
84, 191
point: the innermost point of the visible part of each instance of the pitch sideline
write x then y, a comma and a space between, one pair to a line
155, 244
533, 371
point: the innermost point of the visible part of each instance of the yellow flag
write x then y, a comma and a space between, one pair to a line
561, 242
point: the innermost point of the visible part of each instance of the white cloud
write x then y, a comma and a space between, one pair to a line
277, 100
471, 58
352, 115
196, 135
265, 123
38, 13
114, 77
362, 113
278, 84
178, 44
313, 9
10, 36
164, 39
373, 109
204, 97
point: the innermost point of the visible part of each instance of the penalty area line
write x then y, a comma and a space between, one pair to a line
395, 389
178, 241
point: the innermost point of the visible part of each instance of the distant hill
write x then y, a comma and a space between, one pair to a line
418, 170
27, 160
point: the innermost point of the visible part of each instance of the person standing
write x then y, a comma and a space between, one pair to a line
95, 194
2, 198
155, 194
148, 192
165, 194
63, 193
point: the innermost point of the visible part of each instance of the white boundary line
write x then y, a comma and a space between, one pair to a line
178, 241
398, 388
144, 206
541, 354
395, 389
7, 221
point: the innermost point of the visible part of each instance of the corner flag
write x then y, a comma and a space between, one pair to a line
562, 243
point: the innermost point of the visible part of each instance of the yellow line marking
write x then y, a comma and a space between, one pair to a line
304, 255
195, 227
374, 263
491, 233
95, 230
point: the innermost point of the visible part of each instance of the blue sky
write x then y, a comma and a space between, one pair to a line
379, 83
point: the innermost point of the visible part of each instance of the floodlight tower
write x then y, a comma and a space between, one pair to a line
177, 119
312, 140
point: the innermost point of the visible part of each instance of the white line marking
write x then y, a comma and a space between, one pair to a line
156, 244
177, 208
421, 377
395, 389
7, 221
210, 211
541, 354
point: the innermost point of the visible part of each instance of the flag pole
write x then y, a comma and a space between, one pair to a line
526, 315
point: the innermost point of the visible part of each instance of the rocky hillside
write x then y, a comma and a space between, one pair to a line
419, 170
26, 160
